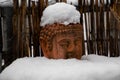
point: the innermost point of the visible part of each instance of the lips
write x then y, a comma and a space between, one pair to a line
70, 55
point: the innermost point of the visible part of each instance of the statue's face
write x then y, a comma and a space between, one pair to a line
67, 45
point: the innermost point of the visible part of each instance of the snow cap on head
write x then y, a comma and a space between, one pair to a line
62, 13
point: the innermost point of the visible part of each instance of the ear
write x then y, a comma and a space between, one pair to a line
44, 46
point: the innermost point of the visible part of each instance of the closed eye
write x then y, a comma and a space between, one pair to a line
64, 43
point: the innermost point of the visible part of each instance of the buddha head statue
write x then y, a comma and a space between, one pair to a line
59, 38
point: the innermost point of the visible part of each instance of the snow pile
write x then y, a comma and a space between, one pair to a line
91, 67
6, 3
60, 13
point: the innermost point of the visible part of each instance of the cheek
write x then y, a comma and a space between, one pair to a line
78, 51
78, 48
58, 52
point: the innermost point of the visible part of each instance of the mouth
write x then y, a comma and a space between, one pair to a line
70, 55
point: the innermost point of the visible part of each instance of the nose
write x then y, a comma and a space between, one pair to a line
71, 47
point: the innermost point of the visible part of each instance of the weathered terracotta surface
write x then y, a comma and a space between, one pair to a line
62, 42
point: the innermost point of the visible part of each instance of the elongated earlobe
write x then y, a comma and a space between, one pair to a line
45, 48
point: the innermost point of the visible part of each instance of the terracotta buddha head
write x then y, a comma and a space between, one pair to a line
59, 41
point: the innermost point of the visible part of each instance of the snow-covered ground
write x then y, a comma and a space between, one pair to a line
6, 2
91, 67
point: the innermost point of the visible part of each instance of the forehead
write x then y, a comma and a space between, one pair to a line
68, 35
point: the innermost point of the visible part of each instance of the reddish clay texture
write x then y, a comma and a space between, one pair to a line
62, 42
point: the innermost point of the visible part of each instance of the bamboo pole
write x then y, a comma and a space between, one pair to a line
46, 3
30, 27
100, 24
97, 24
92, 31
116, 29
101, 27
1, 42
57, 0
80, 8
116, 40
22, 27
108, 29
86, 27
112, 37
36, 23
89, 27
105, 48
115, 23
64, 1
41, 7
80, 5
15, 29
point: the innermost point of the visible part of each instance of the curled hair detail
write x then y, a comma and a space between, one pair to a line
50, 30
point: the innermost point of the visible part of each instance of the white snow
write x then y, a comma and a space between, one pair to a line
6, 3
60, 13
91, 67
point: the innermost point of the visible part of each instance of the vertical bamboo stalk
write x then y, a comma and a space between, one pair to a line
80, 5
57, 0
117, 27
46, 3
64, 1
30, 27
80, 8
22, 27
116, 40
108, 29
92, 31
38, 29
100, 19
113, 33
105, 49
115, 51
86, 26
20, 42
36, 21
89, 8
101, 27
15, 29
41, 7
97, 24
1, 42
